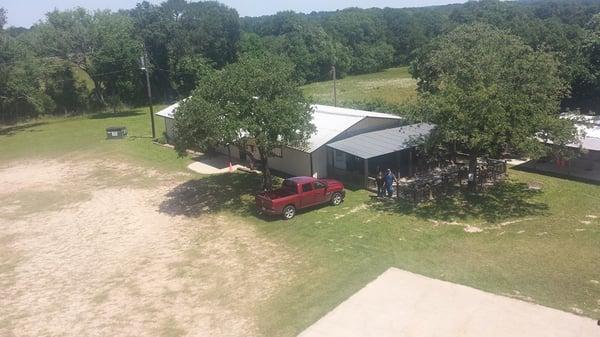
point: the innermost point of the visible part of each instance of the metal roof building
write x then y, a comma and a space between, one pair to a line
589, 128
329, 122
379, 143
340, 134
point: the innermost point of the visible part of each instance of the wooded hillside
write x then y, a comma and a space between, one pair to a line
74, 61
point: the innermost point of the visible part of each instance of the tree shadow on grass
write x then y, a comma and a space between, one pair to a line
504, 201
12, 130
226, 192
107, 115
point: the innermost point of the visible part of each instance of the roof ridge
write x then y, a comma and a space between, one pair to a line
341, 111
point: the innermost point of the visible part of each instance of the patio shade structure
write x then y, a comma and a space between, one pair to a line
378, 143
383, 142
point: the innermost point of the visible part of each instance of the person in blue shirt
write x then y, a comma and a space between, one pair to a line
390, 179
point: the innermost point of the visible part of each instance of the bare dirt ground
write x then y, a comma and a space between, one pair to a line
86, 251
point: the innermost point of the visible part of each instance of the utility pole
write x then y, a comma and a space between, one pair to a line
145, 69
334, 85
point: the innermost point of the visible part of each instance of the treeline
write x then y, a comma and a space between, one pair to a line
74, 61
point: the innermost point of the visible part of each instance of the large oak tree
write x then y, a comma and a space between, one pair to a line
488, 91
253, 99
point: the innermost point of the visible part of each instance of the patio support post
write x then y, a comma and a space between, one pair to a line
366, 162
410, 162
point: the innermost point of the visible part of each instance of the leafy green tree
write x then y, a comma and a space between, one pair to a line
178, 35
254, 99
313, 52
115, 58
364, 33
154, 25
21, 80
188, 72
409, 30
69, 93
591, 56
488, 91
206, 28
102, 45
2, 18
274, 25
252, 44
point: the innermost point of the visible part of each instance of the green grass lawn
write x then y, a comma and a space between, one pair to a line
60, 137
538, 246
394, 85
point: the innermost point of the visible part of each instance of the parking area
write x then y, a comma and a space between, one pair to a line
399, 303
87, 250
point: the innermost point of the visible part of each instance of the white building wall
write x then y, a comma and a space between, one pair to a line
169, 129
293, 162
235, 152
297, 163
319, 158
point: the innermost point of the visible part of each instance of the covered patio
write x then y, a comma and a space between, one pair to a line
356, 159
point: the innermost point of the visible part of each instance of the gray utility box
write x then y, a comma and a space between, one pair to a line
116, 132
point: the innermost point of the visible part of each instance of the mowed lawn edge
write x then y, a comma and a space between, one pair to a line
394, 85
86, 134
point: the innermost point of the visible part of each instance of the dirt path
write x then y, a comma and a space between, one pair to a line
84, 251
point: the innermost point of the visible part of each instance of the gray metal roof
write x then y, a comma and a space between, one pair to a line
379, 143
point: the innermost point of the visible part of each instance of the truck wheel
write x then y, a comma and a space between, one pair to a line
336, 199
289, 212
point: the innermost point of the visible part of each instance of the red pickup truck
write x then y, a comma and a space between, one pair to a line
298, 193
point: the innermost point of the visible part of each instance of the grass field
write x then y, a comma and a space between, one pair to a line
52, 137
394, 85
536, 246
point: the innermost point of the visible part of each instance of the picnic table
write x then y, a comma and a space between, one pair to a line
440, 180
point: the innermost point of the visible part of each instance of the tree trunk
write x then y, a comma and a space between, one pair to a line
453, 152
97, 84
250, 159
267, 178
98, 92
473, 171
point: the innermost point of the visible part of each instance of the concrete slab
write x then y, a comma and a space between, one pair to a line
213, 165
400, 303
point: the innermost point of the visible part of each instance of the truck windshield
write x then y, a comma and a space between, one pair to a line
289, 186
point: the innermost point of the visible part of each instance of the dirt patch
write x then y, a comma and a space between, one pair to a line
37, 175
466, 227
112, 264
386, 83
512, 222
352, 211
473, 229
